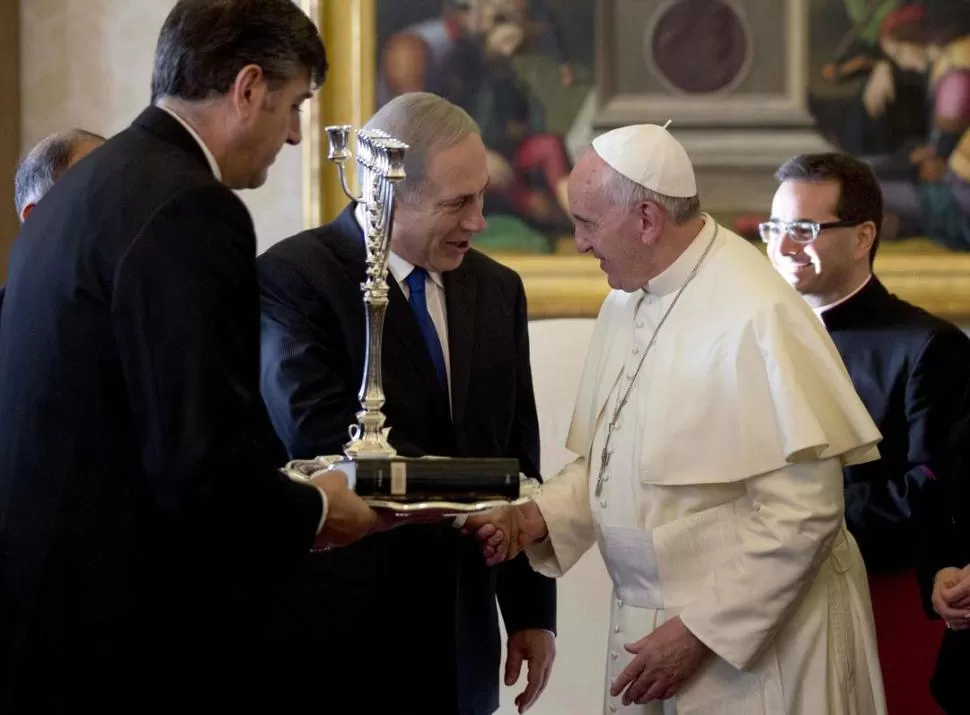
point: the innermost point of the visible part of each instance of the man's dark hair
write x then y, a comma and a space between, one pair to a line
860, 198
205, 43
46, 163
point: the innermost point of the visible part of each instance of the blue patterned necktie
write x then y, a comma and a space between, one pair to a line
419, 306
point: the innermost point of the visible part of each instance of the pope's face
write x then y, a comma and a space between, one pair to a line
612, 233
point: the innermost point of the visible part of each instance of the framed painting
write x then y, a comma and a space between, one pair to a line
542, 77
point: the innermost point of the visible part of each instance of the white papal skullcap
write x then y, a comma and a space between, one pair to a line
649, 155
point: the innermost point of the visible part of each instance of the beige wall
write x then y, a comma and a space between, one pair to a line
9, 126
87, 63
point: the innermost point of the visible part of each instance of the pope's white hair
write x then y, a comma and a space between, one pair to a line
621, 191
426, 123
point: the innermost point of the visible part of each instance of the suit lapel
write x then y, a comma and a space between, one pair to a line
461, 290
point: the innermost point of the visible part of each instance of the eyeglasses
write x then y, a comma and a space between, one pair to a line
800, 231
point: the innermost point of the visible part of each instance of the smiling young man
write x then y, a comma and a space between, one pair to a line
911, 370
417, 606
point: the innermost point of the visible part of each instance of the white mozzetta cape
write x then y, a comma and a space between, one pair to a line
744, 371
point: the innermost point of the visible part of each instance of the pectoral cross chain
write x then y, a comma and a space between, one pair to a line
605, 456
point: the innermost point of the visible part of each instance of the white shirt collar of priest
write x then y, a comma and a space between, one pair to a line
209, 157
677, 272
398, 267
822, 308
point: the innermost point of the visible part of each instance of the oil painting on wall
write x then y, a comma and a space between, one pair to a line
747, 83
523, 69
890, 82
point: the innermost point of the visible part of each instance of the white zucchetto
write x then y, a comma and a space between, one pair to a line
648, 155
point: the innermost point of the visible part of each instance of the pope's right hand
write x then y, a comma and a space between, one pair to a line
349, 517
504, 532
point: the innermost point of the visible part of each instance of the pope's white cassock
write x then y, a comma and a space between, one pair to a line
722, 502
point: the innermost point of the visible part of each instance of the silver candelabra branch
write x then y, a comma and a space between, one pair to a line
380, 167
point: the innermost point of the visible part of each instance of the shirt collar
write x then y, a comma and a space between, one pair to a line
840, 301
209, 157
398, 267
677, 272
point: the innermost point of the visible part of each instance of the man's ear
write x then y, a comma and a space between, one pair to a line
650, 218
865, 236
26, 212
248, 91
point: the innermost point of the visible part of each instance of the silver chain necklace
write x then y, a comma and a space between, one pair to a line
607, 453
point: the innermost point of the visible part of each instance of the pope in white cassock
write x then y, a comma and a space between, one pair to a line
713, 419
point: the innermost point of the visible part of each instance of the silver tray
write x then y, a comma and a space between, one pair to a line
529, 488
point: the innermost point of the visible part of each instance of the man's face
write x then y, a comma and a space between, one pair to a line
435, 230
271, 120
612, 233
823, 267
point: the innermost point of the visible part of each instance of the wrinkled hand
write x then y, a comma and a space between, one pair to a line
664, 661
951, 597
504, 532
538, 649
349, 518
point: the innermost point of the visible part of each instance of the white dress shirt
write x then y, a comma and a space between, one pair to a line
214, 166
209, 157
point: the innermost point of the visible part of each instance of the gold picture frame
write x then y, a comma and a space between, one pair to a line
559, 285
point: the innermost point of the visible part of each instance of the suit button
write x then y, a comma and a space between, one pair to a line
616, 628
636, 350
603, 502
639, 323
612, 708
619, 603
614, 655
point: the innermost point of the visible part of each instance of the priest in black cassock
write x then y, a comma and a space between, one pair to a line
911, 370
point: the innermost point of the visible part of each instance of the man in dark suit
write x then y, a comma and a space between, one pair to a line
414, 610
944, 570
145, 524
46, 163
911, 370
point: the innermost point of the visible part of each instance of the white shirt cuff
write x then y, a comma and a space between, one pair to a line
323, 512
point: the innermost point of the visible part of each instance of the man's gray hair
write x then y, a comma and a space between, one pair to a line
621, 191
426, 123
46, 163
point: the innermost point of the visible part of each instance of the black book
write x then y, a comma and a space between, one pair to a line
436, 479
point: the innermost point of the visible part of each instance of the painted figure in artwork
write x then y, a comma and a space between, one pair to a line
470, 55
931, 196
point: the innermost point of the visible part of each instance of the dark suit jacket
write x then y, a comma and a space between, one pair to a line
412, 610
947, 543
911, 370
142, 506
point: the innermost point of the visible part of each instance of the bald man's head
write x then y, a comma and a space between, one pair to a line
47, 162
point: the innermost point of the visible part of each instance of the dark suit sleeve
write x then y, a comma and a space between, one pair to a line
184, 313
310, 401
944, 506
305, 366
934, 390
527, 599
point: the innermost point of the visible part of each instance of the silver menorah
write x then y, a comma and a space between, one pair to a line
380, 167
